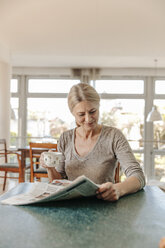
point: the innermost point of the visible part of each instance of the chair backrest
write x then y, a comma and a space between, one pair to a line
3, 149
35, 152
43, 146
37, 148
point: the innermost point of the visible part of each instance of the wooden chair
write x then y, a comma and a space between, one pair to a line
35, 152
117, 173
9, 167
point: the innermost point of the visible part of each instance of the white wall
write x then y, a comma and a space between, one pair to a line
5, 76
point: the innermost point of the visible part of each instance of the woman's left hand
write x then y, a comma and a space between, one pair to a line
108, 192
162, 243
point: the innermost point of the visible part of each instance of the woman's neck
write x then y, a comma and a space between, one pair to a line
85, 134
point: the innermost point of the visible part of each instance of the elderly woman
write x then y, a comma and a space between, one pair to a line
93, 150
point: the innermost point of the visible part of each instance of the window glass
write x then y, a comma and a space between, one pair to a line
160, 168
140, 159
50, 85
14, 85
125, 115
160, 86
159, 126
14, 122
120, 86
48, 117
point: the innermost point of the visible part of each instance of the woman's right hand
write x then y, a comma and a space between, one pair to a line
42, 160
52, 173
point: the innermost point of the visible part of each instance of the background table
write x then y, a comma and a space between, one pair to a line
136, 220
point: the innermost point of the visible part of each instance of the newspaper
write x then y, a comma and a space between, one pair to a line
55, 191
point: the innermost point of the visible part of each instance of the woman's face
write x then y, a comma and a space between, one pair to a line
86, 115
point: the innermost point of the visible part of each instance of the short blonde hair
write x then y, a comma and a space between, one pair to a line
82, 92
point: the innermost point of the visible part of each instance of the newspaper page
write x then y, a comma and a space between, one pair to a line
57, 190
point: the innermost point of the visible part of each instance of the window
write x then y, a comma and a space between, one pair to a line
120, 86
39, 108
124, 114
159, 127
14, 102
48, 117
160, 87
160, 168
50, 85
14, 85
48, 114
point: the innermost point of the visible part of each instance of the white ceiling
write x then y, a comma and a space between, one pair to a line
84, 33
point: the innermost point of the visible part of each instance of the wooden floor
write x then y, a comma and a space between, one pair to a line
10, 184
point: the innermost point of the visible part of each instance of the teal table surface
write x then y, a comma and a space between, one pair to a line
136, 220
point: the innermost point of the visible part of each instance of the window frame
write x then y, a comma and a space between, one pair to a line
148, 96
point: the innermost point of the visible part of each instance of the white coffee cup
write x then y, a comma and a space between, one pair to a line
52, 159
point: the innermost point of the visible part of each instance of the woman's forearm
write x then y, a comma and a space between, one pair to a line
130, 185
53, 174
